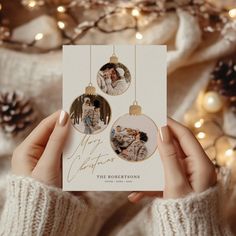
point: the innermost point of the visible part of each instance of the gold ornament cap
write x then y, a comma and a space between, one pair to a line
90, 90
135, 109
114, 59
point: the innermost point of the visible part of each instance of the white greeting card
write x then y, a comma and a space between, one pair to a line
116, 98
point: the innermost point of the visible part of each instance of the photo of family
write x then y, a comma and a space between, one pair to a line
90, 114
133, 138
114, 79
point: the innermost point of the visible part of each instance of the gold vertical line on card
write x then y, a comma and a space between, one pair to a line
90, 66
135, 74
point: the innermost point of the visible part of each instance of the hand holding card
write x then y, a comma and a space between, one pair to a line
186, 166
39, 155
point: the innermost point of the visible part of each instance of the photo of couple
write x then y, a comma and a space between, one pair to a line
114, 79
129, 143
90, 114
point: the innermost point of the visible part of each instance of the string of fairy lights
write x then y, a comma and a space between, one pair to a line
225, 156
210, 18
139, 14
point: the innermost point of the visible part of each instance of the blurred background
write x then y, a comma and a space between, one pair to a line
201, 40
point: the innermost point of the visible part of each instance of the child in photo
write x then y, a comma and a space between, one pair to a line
117, 138
137, 150
130, 143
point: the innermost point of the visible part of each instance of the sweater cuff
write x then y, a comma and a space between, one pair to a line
196, 214
33, 208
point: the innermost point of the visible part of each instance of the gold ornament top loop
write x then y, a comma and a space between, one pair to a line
135, 109
114, 59
90, 89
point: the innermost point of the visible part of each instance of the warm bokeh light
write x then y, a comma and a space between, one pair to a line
198, 123
230, 157
32, 4
232, 13
229, 152
201, 135
139, 35
135, 12
61, 9
61, 24
38, 36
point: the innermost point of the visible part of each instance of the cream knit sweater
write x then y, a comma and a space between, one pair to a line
32, 208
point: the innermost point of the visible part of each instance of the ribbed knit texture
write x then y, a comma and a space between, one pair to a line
196, 214
32, 208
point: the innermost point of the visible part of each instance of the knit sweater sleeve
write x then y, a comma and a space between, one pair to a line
32, 208
196, 214
193, 215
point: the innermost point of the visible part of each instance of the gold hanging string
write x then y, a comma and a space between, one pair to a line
135, 72
90, 65
90, 90
135, 109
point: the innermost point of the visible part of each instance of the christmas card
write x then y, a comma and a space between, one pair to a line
116, 99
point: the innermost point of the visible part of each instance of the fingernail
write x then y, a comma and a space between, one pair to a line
165, 134
135, 196
132, 195
63, 118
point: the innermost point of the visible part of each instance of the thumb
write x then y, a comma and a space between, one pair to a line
176, 183
51, 157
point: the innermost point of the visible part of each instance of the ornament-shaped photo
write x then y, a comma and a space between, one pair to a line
114, 77
134, 135
90, 113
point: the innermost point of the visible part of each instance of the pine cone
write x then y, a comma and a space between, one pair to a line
223, 80
16, 112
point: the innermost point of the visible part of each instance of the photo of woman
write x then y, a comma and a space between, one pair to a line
113, 79
90, 114
132, 137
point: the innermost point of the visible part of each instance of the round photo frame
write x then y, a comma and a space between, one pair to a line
134, 138
114, 79
90, 114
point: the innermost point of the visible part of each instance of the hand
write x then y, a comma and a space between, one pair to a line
187, 168
39, 155
108, 81
105, 76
